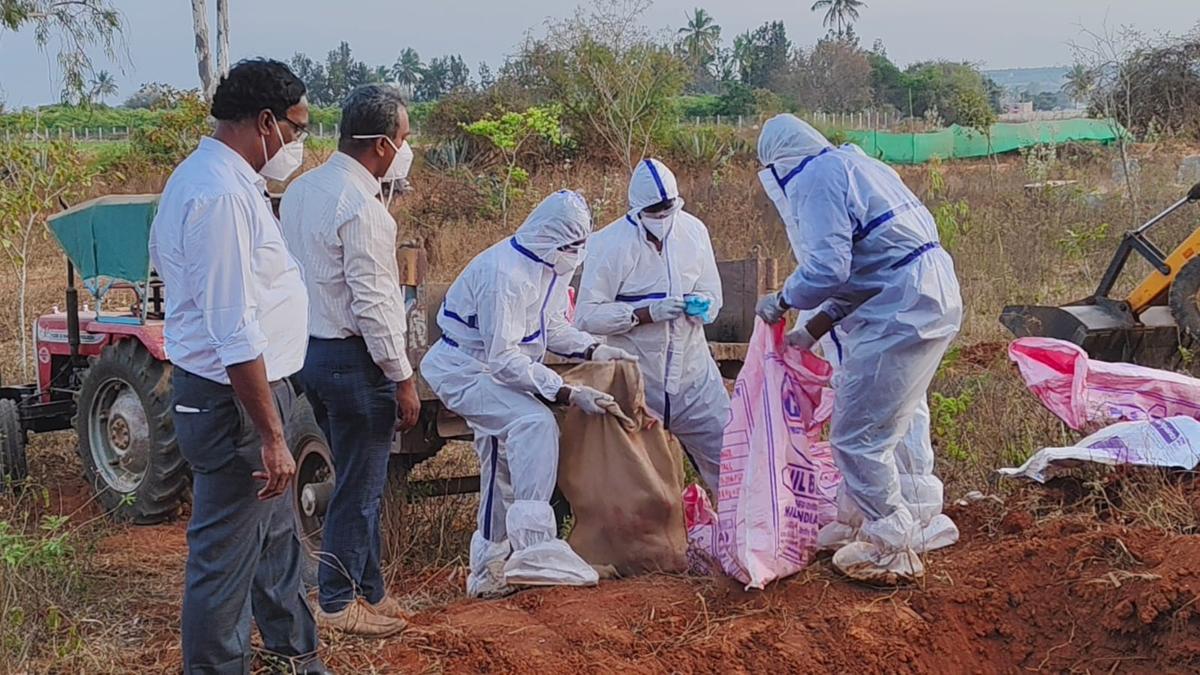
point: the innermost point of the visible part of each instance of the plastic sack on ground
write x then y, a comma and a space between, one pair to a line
776, 489
1081, 390
1172, 442
701, 521
621, 478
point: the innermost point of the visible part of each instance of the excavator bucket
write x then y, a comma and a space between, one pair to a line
1104, 333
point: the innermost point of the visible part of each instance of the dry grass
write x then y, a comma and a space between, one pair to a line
117, 604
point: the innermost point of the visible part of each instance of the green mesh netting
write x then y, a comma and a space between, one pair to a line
962, 143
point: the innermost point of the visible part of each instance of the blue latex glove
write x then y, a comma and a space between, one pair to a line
697, 306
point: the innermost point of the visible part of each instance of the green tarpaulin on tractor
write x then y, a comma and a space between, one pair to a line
963, 143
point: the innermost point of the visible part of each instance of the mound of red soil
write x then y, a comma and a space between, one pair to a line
1061, 596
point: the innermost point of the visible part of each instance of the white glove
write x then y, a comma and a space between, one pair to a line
800, 338
606, 353
667, 310
593, 401
771, 308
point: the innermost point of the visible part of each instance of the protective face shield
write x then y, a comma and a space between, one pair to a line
660, 223
282, 164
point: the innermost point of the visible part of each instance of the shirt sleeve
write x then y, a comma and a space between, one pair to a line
501, 322
597, 310
376, 300
218, 240
562, 338
821, 236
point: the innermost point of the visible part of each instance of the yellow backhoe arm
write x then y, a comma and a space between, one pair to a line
1153, 289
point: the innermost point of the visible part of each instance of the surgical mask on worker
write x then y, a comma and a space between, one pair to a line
284, 163
566, 262
660, 224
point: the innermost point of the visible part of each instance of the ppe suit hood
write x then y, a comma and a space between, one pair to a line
562, 218
651, 183
786, 140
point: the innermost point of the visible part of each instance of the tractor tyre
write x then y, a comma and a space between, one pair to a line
313, 486
1184, 299
127, 435
13, 467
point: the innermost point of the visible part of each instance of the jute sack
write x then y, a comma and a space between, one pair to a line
621, 478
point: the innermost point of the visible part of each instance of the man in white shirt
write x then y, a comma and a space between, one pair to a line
357, 373
234, 331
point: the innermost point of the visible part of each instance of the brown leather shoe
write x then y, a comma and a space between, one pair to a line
359, 619
389, 607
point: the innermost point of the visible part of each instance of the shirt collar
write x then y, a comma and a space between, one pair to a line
239, 163
358, 173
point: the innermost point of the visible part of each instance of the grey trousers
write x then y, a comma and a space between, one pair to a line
243, 554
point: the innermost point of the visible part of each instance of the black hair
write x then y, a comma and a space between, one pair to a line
255, 85
660, 206
370, 109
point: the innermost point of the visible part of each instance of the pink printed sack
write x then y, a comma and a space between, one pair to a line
1080, 390
776, 490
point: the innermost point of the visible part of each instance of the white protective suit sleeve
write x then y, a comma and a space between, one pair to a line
597, 311
562, 338
501, 327
823, 227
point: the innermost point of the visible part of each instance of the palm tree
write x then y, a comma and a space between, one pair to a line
843, 13
407, 69
701, 37
103, 86
1079, 82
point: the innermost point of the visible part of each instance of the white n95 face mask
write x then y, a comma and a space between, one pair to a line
660, 224
567, 262
401, 163
285, 162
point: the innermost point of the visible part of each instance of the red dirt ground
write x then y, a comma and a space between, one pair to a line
1065, 595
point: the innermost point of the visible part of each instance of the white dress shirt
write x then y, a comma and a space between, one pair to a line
234, 293
345, 239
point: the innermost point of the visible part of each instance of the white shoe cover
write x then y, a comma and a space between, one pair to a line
939, 533
865, 562
486, 579
550, 563
834, 536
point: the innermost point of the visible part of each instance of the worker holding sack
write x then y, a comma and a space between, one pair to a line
499, 318
869, 262
649, 285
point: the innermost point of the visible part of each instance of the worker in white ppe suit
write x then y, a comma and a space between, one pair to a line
642, 274
869, 262
921, 489
499, 318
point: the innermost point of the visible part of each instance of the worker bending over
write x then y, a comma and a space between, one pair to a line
500, 317
650, 284
870, 262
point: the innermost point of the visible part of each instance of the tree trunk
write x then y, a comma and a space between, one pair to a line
203, 48
222, 38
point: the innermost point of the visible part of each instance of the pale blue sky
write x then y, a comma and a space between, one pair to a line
1014, 33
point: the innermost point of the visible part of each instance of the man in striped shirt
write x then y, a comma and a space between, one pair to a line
357, 373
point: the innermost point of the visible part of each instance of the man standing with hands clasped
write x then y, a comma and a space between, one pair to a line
357, 373
235, 329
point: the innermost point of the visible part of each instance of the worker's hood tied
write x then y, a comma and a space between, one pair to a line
561, 220
653, 183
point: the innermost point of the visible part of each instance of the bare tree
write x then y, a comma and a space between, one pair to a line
1106, 53
203, 47
222, 38
77, 26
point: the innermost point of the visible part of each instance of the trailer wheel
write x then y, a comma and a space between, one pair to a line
1184, 298
313, 485
127, 435
13, 467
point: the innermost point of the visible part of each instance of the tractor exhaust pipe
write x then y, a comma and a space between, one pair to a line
72, 312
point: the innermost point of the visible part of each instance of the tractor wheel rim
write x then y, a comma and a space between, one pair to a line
314, 486
119, 435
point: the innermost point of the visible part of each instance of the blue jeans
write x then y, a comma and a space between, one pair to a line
355, 404
243, 554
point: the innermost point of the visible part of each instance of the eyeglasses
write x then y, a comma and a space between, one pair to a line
301, 130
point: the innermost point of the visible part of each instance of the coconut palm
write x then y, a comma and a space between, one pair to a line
407, 69
701, 37
102, 86
1078, 83
842, 13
